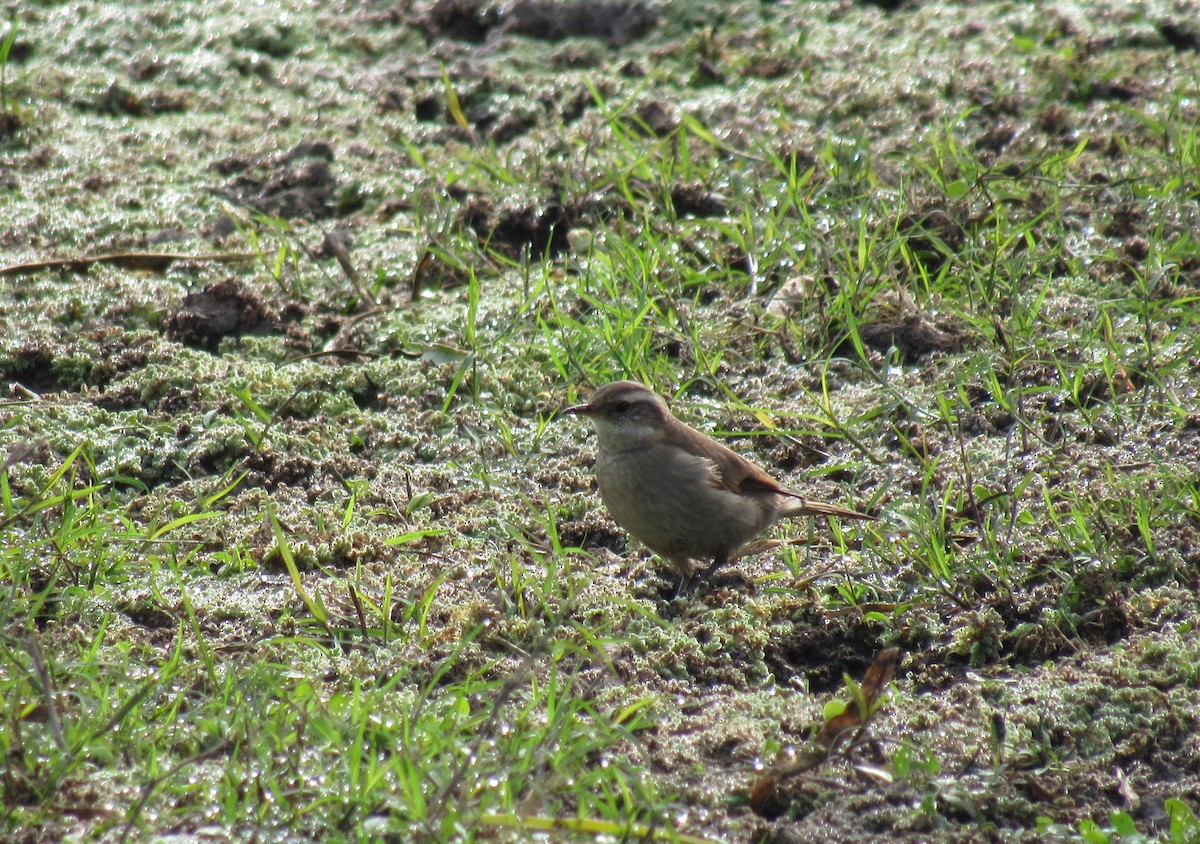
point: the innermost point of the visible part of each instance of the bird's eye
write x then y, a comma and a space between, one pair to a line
621, 406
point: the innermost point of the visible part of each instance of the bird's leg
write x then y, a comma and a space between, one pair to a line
685, 585
718, 561
687, 574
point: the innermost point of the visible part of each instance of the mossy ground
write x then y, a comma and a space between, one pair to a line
295, 546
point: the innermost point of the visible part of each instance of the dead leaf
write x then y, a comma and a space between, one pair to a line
766, 798
144, 261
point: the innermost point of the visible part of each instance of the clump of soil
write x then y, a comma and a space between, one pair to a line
614, 23
222, 309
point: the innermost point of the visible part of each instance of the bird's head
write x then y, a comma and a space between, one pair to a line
626, 415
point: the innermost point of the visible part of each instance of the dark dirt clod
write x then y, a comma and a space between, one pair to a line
996, 138
897, 322
932, 233
821, 651
1181, 36
271, 469
913, 335
290, 189
695, 200
32, 367
541, 229
614, 23
656, 117
222, 309
462, 20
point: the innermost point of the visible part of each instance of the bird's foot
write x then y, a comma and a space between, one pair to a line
691, 579
686, 582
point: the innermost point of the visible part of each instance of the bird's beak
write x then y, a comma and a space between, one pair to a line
578, 410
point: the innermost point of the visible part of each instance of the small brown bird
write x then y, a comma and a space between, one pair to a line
683, 494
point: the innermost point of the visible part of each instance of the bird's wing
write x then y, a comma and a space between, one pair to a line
730, 470
735, 473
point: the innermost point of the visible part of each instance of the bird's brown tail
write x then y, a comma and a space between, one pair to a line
807, 507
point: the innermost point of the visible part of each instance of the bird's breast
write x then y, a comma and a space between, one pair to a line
669, 499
